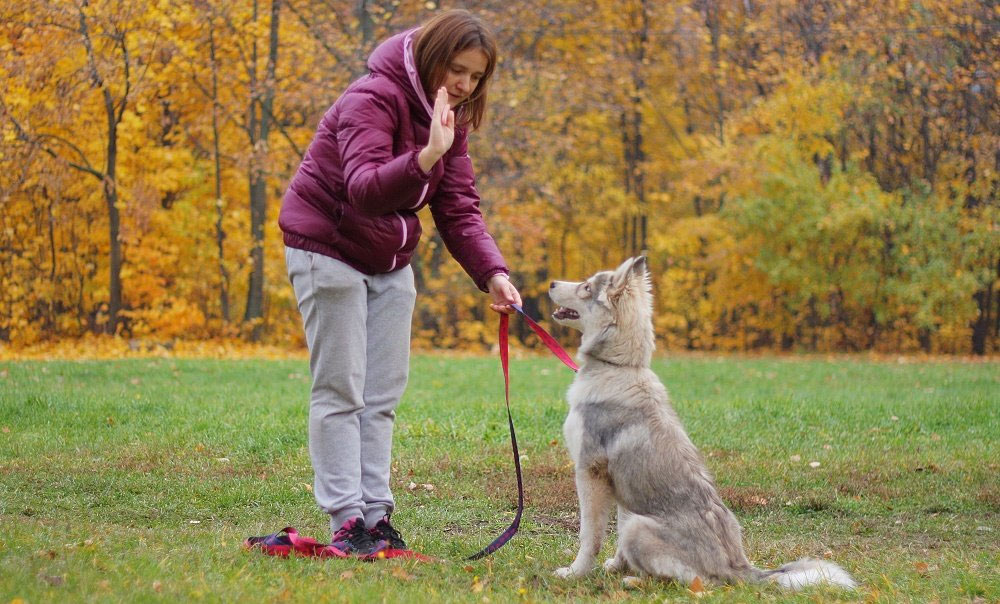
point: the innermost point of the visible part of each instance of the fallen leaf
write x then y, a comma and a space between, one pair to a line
631, 582
921, 568
135, 381
468, 568
796, 458
46, 553
894, 418
53, 580
4, 373
307, 486
157, 586
696, 586
477, 585
110, 421
553, 442
428, 487
813, 464
400, 573
411, 486
347, 575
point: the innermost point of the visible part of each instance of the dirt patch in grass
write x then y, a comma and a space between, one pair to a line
991, 497
721, 454
867, 484
745, 499
550, 488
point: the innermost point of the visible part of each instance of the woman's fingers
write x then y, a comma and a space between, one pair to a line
441, 104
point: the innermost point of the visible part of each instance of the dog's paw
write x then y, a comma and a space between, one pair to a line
614, 565
569, 572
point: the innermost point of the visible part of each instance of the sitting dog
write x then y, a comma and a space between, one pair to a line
629, 448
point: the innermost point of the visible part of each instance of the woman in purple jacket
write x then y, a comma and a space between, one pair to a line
394, 142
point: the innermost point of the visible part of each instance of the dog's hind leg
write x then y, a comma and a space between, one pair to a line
596, 499
617, 563
646, 549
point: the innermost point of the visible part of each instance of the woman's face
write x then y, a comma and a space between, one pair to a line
463, 73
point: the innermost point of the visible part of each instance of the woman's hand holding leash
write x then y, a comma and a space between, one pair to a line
503, 293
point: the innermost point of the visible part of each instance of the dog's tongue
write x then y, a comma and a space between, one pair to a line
565, 313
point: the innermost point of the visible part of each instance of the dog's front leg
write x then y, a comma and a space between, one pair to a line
617, 562
596, 500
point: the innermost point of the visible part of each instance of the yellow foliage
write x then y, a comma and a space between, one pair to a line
827, 186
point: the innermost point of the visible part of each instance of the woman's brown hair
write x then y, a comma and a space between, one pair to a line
440, 39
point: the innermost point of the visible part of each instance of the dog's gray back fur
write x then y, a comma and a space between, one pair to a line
630, 448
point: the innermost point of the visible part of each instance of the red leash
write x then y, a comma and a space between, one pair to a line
557, 350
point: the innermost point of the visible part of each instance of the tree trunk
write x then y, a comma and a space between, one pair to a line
220, 233
260, 127
984, 321
632, 126
113, 115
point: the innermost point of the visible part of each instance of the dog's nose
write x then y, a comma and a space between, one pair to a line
552, 285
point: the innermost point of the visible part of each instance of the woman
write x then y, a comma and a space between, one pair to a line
394, 142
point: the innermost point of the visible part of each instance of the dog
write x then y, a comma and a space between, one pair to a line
629, 448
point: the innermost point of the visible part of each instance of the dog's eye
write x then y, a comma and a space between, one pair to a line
586, 287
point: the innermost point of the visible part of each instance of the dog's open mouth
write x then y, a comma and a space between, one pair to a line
563, 314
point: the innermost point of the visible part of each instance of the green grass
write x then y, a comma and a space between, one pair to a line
137, 480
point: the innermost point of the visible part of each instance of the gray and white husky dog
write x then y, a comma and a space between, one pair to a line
629, 448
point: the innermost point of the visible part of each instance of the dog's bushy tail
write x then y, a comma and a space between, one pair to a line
805, 572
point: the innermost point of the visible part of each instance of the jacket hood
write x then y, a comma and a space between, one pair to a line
394, 60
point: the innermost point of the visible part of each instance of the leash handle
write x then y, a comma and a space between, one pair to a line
505, 536
563, 356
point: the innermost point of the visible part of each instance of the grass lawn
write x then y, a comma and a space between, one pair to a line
138, 479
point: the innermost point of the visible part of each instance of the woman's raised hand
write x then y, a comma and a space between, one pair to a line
442, 132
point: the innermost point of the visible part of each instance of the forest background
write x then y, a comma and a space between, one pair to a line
803, 175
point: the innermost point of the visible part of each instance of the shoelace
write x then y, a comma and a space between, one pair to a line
386, 531
357, 536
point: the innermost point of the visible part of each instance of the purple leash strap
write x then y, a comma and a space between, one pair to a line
549, 341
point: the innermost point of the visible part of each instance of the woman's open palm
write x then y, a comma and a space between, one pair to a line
442, 133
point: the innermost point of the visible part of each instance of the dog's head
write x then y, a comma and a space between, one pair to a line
614, 311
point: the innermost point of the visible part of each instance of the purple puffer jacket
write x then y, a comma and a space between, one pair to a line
357, 191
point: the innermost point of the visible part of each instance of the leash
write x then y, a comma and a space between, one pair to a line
561, 354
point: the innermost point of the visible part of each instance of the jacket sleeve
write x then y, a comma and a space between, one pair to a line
377, 182
455, 207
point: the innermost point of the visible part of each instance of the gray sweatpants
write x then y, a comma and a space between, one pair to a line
358, 332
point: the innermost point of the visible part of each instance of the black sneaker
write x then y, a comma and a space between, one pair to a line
354, 539
384, 531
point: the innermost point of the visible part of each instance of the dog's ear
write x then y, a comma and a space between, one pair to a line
628, 274
639, 267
